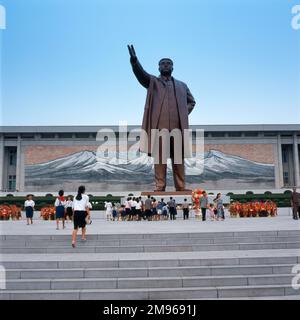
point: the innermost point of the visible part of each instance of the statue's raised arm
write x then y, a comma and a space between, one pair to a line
133, 57
142, 76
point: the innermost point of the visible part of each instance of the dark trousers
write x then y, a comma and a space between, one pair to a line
172, 213
148, 214
203, 210
185, 213
296, 212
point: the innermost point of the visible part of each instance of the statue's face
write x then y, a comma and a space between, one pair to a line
165, 67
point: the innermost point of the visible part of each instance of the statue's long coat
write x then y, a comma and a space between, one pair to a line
155, 96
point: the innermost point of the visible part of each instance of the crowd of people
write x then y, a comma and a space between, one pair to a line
133, 209
136, 209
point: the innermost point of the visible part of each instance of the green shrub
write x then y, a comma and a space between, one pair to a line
49, 195
287, 192
49, 201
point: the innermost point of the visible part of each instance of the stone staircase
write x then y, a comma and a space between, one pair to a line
222, 265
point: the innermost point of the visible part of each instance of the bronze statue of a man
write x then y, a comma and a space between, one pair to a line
168, 104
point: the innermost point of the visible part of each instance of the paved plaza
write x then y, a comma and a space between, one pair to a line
100, 226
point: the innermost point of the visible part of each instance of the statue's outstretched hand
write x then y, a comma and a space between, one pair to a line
133, 57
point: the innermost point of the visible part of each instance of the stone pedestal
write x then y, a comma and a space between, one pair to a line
166, 193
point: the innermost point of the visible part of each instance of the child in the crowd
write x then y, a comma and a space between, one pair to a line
155, 215
185, 208
108, 206
60, 204
220, 207
88, 211
69, 208
123, 212
127, 205
133, 215
29, 209
211, 212
165, 212
159, 209
114, 212
138, 209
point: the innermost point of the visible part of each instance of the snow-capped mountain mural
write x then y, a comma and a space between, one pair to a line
86, 167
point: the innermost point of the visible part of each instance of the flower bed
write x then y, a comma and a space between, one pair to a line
48, 213
253, 209
10, 212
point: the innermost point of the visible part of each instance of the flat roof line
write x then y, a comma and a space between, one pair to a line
93, 129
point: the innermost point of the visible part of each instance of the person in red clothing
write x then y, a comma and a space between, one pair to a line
60, 204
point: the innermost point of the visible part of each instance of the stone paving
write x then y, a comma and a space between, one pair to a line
100, 226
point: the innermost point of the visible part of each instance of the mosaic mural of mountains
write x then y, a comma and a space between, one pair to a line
86, 166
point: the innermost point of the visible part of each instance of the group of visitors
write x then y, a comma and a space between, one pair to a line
77, 210
63, 209
135, 209
216, 210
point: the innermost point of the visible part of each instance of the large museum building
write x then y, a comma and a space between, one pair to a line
236, 157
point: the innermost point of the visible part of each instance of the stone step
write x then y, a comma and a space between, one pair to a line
163, 236
87, 248
148, 272
58, 262
147, 282
22, 243
153, 294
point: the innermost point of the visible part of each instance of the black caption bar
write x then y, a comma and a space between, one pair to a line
178, 309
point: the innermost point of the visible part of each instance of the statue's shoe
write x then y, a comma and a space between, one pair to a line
159, 190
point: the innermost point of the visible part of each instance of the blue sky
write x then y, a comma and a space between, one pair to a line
66, 62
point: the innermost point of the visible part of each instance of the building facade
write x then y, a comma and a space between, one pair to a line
45, 159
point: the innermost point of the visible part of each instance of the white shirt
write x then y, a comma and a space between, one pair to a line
69, 204
29, 203
59, 203
133, 203
108, 206
81, 205
138, 205
127, 204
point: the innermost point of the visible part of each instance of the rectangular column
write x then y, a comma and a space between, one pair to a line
280, 166
1, 162
22, 170
296, 161
18, 168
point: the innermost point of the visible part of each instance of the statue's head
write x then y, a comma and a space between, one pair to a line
165, 66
